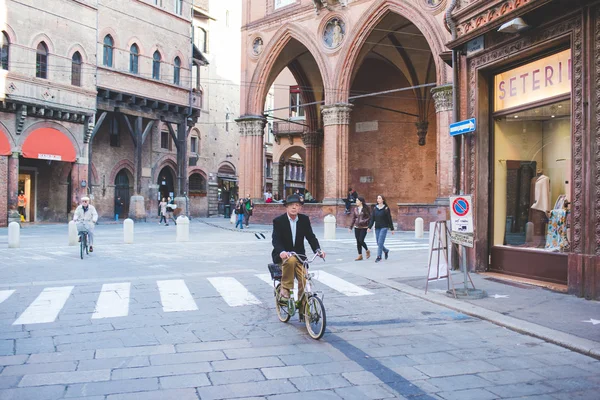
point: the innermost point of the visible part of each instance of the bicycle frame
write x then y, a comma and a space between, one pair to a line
308, 289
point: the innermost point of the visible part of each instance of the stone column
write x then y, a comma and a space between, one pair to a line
13, 188
442, 96
251, 166
312, 142
278, 178
336, 122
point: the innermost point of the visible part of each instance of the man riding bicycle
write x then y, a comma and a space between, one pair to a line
289, 232
86, 217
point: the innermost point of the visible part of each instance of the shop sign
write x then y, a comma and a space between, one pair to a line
462, 127
475, 46
461, 214
51, 157
539, 80
463, 239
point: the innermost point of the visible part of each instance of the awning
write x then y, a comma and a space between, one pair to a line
198, 56
4, 144
227, 178
49, 144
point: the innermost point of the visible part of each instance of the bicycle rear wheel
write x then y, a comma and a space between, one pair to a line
282, 311
314, 316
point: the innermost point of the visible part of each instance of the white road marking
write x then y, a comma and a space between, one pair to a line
342, 286
267, 278
500, 296
5, 294
46, 306
175, 296
113, 301
233, 292
59, 253
593, 321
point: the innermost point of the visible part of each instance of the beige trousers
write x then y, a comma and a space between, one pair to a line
292, 267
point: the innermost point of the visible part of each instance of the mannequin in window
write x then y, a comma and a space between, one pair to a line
539, 206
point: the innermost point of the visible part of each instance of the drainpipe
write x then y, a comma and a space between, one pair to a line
456, 144
191, 100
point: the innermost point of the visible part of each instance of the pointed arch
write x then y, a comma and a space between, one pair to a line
260, 86
435, 35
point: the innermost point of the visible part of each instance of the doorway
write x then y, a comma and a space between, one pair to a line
122, 191
27, 187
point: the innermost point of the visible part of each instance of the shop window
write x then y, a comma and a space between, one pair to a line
4, 48
165, 141
296, 108
156, 65
108, 50
177, 70
134, 57
76, 69
41, 61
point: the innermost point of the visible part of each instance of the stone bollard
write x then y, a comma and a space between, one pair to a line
419, 228
14, 235
183, 229
73, 234
329, 227
529, 232
128, 231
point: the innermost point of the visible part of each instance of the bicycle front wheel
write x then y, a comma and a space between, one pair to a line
282, 311
81, 245
314, 316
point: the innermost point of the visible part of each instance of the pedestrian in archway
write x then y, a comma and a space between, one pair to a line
118, 207
381, 217
360, 221
171, 207
240, 212
162, 206
21, 204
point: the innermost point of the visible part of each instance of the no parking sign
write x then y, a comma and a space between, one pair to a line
461, 214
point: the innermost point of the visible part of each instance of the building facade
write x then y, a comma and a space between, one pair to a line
532, 165
109, 104
365, 72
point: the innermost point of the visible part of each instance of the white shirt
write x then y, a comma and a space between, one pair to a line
293, 226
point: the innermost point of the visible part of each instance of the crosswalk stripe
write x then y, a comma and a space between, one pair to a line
175, 296
5, 294
233, 292
46, 306
342, 286
113, 301
267, 278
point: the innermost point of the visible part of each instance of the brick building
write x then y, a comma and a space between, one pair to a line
105, 104
394, 142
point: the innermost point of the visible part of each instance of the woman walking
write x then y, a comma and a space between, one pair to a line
381, 217
240, 210
163, 211
360, 221
171, 207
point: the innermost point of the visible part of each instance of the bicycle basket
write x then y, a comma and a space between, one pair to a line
275, 270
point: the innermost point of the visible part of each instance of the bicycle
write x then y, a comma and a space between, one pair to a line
314, 310
83, 239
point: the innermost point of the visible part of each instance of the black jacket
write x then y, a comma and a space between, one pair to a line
282, 236
381, 218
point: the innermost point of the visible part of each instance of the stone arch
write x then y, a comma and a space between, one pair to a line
55, 125
165, 161
161, 51
351, 49
259, 88
138, 43
42, 37
12, 36
287, 150
123, 164
108, 31
11, 140
182, 57
198, 170
81, 50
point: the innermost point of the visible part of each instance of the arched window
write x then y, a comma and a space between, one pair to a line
201, 39
156, 65
76, 69
134, 55
107, 55
178, 7
176, 70
197, 184
41, 61
4, 45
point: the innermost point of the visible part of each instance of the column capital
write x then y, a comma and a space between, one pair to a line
251, 125
422, 127
336, 114
442, 97
312, 139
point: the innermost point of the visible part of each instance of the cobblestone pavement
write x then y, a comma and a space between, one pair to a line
165, 320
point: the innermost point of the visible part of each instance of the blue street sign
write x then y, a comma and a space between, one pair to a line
462, 127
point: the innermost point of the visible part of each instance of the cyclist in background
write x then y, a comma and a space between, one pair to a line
86, 215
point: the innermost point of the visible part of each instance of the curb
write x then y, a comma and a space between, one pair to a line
580, 345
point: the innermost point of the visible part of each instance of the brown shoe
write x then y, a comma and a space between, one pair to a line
91, 249
359, 258
284, 294
368, 254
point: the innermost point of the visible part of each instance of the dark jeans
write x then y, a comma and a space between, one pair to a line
360, 234
22, 211
246, 218
239, 221
348, 203
162, 218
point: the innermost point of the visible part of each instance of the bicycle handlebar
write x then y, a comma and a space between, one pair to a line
302, 256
